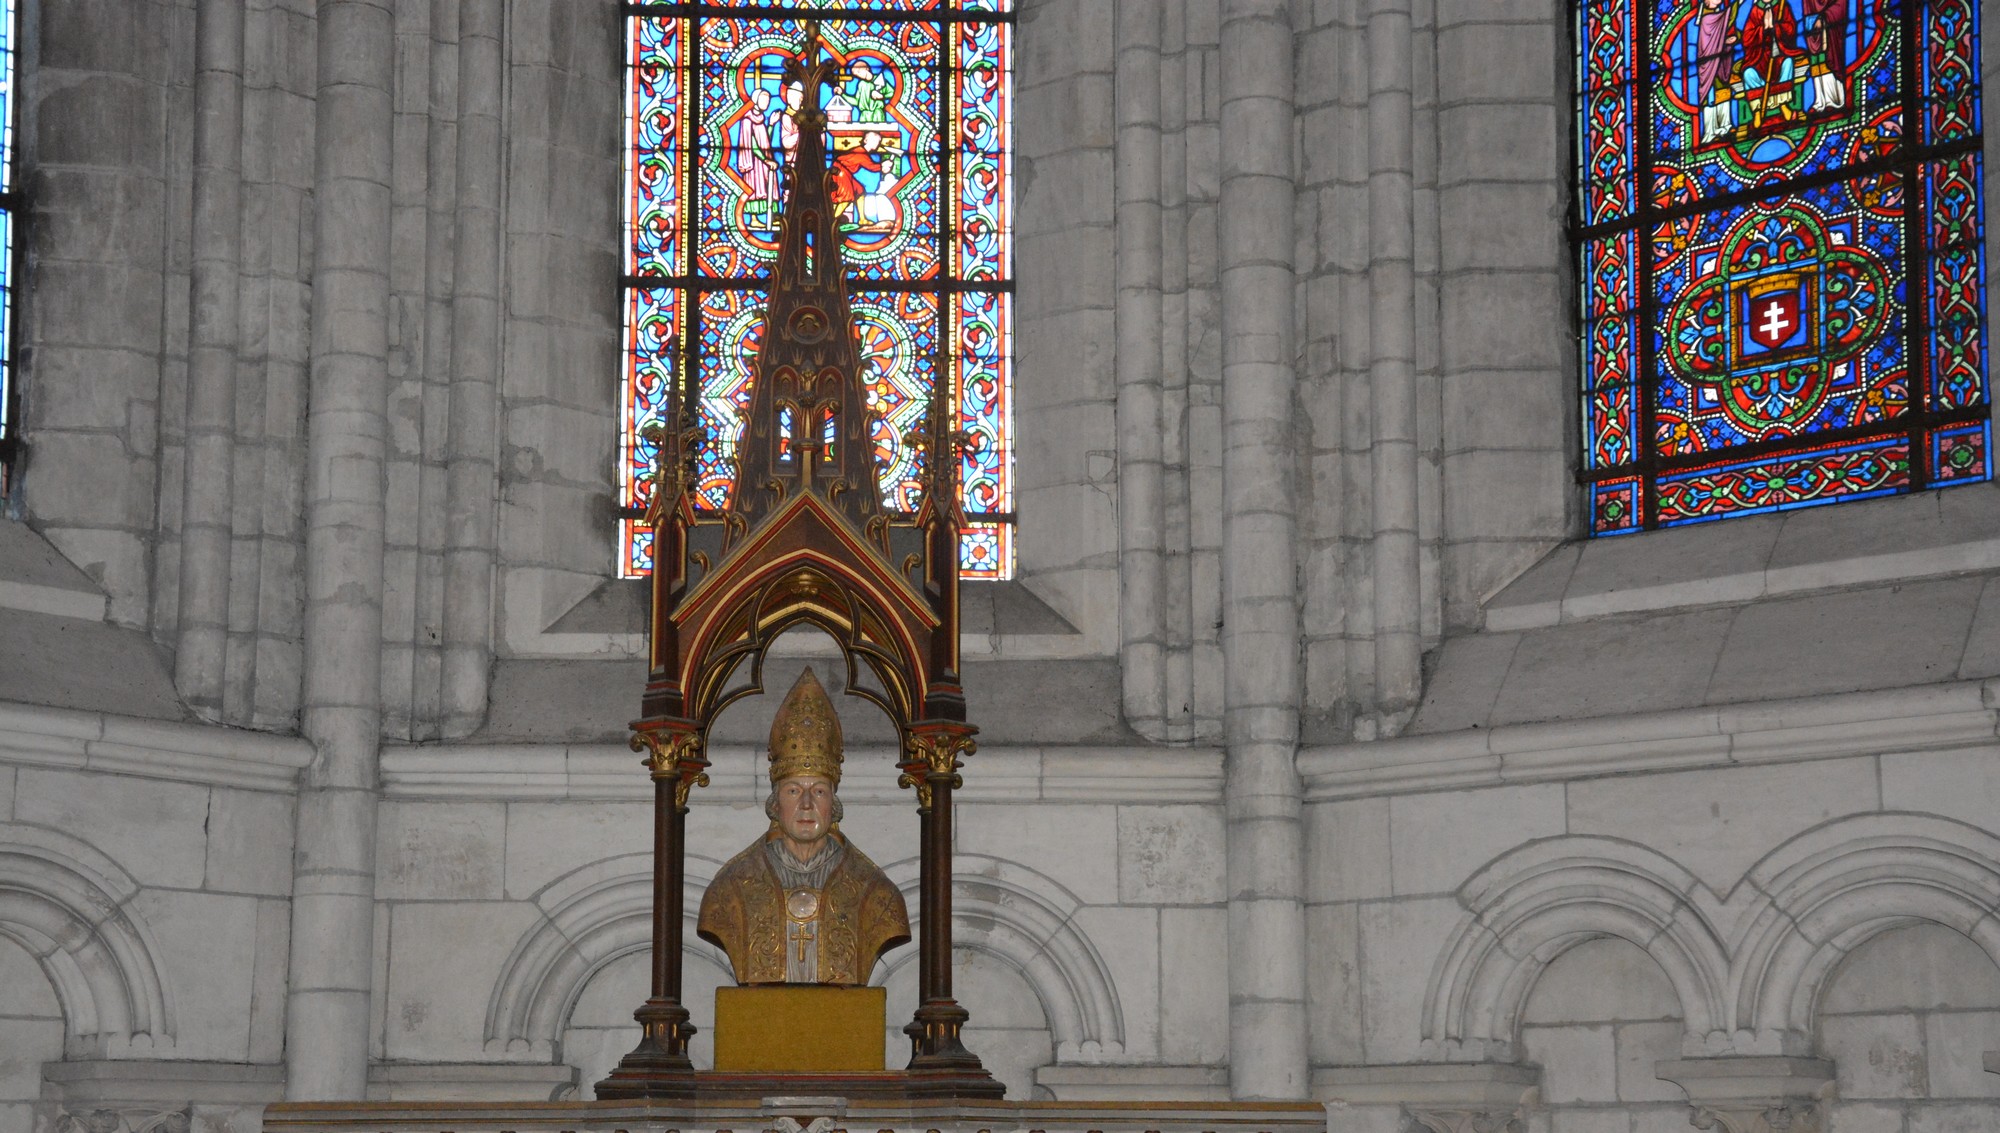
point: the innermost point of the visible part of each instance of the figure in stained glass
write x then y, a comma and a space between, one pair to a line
860, 174
1717, 93
867, 91
757, 163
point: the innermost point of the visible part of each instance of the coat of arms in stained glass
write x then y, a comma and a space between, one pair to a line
1780, 252
918, 132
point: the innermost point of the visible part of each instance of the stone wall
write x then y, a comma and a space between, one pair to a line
1315, 763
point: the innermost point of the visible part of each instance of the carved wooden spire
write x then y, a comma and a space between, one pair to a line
808, 428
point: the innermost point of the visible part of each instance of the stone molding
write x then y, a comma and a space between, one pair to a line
1764, 557
1747, 968
39, 736
159, 1085
1469, 1120
915, 1117
1137, 774
602, 912
1085, 1083
1754, 1095
1502, 1088
124, 1119
471, 1081
1925, 718
69, 905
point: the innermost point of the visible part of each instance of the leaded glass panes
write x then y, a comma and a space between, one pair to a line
919, 133
1780, 246
9, 395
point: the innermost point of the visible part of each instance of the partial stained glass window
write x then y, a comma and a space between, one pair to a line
1780, 249
919, 133
9, 393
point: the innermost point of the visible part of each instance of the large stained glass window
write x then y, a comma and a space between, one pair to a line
918, 124
10, 399
1780, 253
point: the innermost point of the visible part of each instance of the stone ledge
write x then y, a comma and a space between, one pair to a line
610, 772
88, 1083
1927, 717
469, 1081
1080, 1083
1953, 531
915, 1117
35, 577
39, 736
1501, 1086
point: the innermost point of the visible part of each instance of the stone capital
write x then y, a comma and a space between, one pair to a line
1759, 1094
1428, 1120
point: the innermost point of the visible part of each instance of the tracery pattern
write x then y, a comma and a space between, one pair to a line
1780, 249
918, 126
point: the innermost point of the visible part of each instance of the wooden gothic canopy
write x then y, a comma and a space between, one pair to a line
804, 540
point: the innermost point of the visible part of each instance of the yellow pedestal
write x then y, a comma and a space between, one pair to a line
799, 1028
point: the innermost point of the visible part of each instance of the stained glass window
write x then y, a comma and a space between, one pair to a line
1780, 244
918, 125
10, 399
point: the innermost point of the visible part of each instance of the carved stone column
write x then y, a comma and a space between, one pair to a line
333, 886
1268, 1058
1764, 1094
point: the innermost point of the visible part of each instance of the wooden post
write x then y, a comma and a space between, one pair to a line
931, 766
659, 1066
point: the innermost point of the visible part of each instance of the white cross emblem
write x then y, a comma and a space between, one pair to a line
1775, 322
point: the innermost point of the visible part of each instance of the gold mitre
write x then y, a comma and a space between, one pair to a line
805, 738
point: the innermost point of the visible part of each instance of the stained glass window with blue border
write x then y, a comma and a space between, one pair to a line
1780, 254
920, 136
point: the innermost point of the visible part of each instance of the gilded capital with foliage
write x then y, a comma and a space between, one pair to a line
674, 753
931, 755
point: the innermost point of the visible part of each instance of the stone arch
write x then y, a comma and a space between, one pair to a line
1536, 902
599, 913
1829, 890
67, 903
590, 917
1026, 920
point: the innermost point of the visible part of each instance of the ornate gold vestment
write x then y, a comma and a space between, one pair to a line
860, 915
830, 931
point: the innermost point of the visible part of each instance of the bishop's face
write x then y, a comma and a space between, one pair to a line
805, 812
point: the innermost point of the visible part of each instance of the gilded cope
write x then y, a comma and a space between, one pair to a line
802, 904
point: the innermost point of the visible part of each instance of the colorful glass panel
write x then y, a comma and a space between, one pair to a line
918, 126
1780, 253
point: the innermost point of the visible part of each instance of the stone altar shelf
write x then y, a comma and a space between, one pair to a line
826, 1115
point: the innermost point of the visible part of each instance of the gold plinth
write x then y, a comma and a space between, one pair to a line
800, 1029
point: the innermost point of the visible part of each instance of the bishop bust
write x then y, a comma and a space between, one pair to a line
802, 904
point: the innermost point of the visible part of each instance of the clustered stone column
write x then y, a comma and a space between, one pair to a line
1141, 510
326, 1019
1392, 363
475, 366
1265, 869
214, 303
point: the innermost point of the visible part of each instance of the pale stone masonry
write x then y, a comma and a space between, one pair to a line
1321, 760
